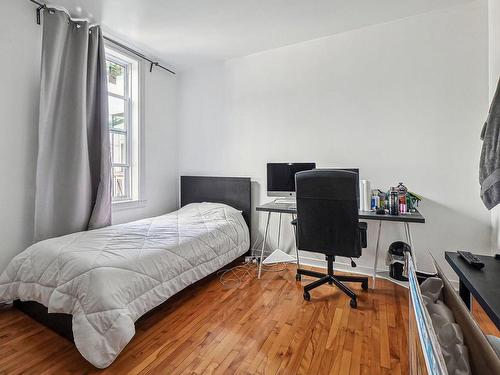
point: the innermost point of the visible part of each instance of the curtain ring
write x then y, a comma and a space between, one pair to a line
38, 12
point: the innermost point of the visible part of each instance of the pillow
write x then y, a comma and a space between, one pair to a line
450, 335
438, 321
441, 309
451, 341
457, 360
427, 300
432, 287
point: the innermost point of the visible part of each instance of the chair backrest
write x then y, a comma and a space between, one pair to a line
327, 212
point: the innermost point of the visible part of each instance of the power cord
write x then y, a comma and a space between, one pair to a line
235, 277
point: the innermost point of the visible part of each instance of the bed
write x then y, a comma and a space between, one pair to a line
92, 286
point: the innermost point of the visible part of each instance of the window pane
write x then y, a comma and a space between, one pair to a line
116, 113
118, 148
120, 182
116, 78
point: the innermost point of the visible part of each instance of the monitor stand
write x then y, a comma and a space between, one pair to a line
286, 200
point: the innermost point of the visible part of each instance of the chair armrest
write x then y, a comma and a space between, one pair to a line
363, 227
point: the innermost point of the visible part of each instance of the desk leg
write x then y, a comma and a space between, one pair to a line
376, 253
409, 239
297, 276
279, 231
464, 293
264, 244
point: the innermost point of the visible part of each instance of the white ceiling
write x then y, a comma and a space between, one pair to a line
182, 33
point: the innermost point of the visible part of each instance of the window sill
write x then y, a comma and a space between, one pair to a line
128, 204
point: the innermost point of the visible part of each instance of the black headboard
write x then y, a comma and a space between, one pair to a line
233, 191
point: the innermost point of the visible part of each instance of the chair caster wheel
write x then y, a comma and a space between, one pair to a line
307, 296
364, 285
353, 303
298, 277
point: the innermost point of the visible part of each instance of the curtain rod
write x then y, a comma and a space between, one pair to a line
152, 62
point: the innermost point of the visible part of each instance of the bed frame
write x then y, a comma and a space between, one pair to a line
233, 191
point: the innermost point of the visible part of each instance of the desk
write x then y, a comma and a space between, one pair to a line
484, 284
287, 208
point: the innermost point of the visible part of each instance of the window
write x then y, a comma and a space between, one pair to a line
123, 105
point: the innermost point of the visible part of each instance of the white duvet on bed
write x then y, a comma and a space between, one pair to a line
107, 278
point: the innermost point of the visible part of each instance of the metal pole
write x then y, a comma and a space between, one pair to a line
295, 243
279, 230
152, 62
376, 253
264, 244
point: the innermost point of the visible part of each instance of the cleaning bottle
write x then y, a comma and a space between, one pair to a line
402, 191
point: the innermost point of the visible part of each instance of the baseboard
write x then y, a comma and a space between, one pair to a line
382, 272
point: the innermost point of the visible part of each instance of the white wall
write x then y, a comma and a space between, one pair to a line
494, 70
20, 40
403, 101
494, 43
19, 95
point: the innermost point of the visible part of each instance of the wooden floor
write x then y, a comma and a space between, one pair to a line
483, 320
264, 326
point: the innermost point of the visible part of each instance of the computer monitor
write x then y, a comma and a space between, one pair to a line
281, 178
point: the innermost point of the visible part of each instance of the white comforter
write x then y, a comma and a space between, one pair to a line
108, 278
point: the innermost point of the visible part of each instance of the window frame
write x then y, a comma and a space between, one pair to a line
133, 131
126, 132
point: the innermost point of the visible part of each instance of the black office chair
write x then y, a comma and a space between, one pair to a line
327, 222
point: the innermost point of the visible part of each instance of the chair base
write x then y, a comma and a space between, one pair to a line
332, 279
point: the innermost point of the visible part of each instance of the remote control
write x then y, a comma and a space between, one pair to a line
473, 260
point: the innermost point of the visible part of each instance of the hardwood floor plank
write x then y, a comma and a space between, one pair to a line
357, 347
385, 356
345, 362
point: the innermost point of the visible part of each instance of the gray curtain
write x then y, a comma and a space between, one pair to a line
73, 177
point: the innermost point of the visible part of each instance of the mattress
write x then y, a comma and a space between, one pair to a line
109, 277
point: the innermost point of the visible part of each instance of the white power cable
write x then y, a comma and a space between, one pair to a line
235, 277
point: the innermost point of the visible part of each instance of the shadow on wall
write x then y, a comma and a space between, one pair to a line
449, 229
